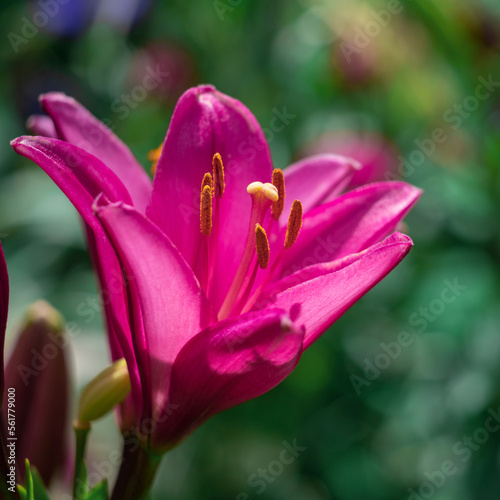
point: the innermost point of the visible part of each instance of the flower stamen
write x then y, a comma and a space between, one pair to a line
206, 210
218, 174
262, 246
279, 183
154, 156
294, 224
207, 181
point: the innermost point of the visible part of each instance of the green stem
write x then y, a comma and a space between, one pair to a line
80, 487
137, 472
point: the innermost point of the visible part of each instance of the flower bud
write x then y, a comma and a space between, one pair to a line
37, 389
103, 393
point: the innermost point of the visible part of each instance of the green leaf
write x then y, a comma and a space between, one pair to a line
99, 491
35, 489
39, 487
80, 485
29, 482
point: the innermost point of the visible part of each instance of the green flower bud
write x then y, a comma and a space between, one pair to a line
37, 387
103, 393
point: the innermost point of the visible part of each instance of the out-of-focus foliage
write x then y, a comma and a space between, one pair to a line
382, 414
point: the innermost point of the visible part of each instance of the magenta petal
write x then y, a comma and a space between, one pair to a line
4, 308
350, 223
228, 363
82, 177
76, 125
318, 302
167, 306
316, 178
41, 125
206, 122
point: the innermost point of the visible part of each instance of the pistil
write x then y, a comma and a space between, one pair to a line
263, 254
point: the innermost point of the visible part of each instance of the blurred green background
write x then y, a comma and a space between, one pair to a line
400, 77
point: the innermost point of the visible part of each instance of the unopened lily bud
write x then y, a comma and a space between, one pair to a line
103, 393
36, 394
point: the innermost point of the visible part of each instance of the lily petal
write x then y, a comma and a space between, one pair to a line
76, 125
320, 301
41, 125
4, 308
350, 223
206, 122
167, 305
228, 363
82, 177
315, 178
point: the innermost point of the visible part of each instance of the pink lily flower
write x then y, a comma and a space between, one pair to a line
223, 289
